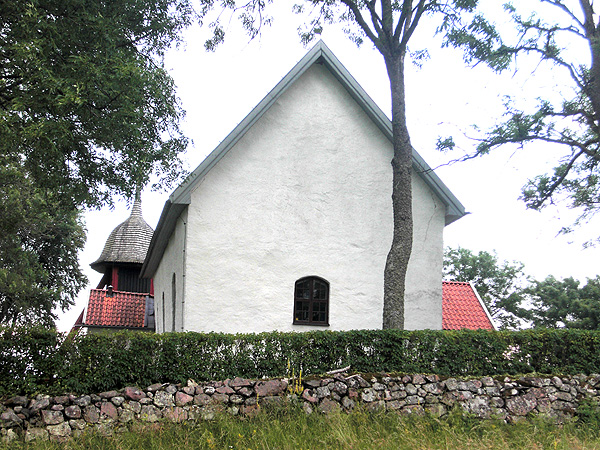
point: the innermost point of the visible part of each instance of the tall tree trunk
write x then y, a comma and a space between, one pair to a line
399, 255
592, 34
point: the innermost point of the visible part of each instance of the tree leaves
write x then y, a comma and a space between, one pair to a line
568, 117
87, 112
563, 304
515, 300
40, 239
85, 100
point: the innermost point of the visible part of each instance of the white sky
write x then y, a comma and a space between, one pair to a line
443, 98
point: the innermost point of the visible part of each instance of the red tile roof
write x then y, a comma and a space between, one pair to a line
123, 309
462, 308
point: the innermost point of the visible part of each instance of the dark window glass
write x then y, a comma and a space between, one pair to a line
311, 301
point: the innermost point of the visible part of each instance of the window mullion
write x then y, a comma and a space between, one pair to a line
311, 300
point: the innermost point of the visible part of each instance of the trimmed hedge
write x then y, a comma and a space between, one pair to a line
39, 360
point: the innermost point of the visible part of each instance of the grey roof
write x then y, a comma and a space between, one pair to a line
320, 53
128, 242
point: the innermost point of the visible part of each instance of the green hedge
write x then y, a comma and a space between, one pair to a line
37, 360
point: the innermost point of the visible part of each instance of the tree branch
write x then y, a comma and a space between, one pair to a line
549, 30
550, 192
418, 12
405, 17
588, 14
560, 5
377, 23
555, 59
362, 23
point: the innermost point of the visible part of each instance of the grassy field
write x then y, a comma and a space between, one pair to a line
292, 429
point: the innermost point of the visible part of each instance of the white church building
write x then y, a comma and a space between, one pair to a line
286, 225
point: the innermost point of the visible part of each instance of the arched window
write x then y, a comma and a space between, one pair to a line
311, 301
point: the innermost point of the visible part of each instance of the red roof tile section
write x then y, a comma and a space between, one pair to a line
123, 309
461, 308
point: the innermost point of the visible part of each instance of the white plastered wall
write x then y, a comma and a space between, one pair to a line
169, 318
423, 297
306, 191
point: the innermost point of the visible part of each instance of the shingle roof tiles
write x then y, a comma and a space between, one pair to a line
128, 242
461, 308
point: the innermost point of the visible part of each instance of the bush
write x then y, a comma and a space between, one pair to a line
38, 360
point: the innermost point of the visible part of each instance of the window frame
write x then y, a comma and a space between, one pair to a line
311, 302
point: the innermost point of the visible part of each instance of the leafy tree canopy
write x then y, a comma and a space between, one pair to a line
86, 105
564, 36
564, 304
87, 111
39, 242
501, 284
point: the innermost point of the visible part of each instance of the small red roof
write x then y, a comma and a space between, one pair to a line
122, 309
462, 308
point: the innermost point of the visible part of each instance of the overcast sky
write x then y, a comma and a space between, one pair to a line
443, 98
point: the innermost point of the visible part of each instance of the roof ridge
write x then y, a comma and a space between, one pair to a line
136, 209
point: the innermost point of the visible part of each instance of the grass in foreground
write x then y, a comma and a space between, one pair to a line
292, 429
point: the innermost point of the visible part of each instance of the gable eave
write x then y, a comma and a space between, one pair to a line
454, 208
183, 193
483, 306
319, 53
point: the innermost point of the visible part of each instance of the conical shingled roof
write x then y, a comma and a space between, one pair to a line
128, 242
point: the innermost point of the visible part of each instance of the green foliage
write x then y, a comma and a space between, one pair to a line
87, 111
38, 360
480, 40
514, 299
29, 359
501, 285
445, 144
39, 242
389, 25
87, 107
567, 117
562, 303
588, 413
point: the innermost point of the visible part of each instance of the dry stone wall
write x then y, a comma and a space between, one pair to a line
510, 399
